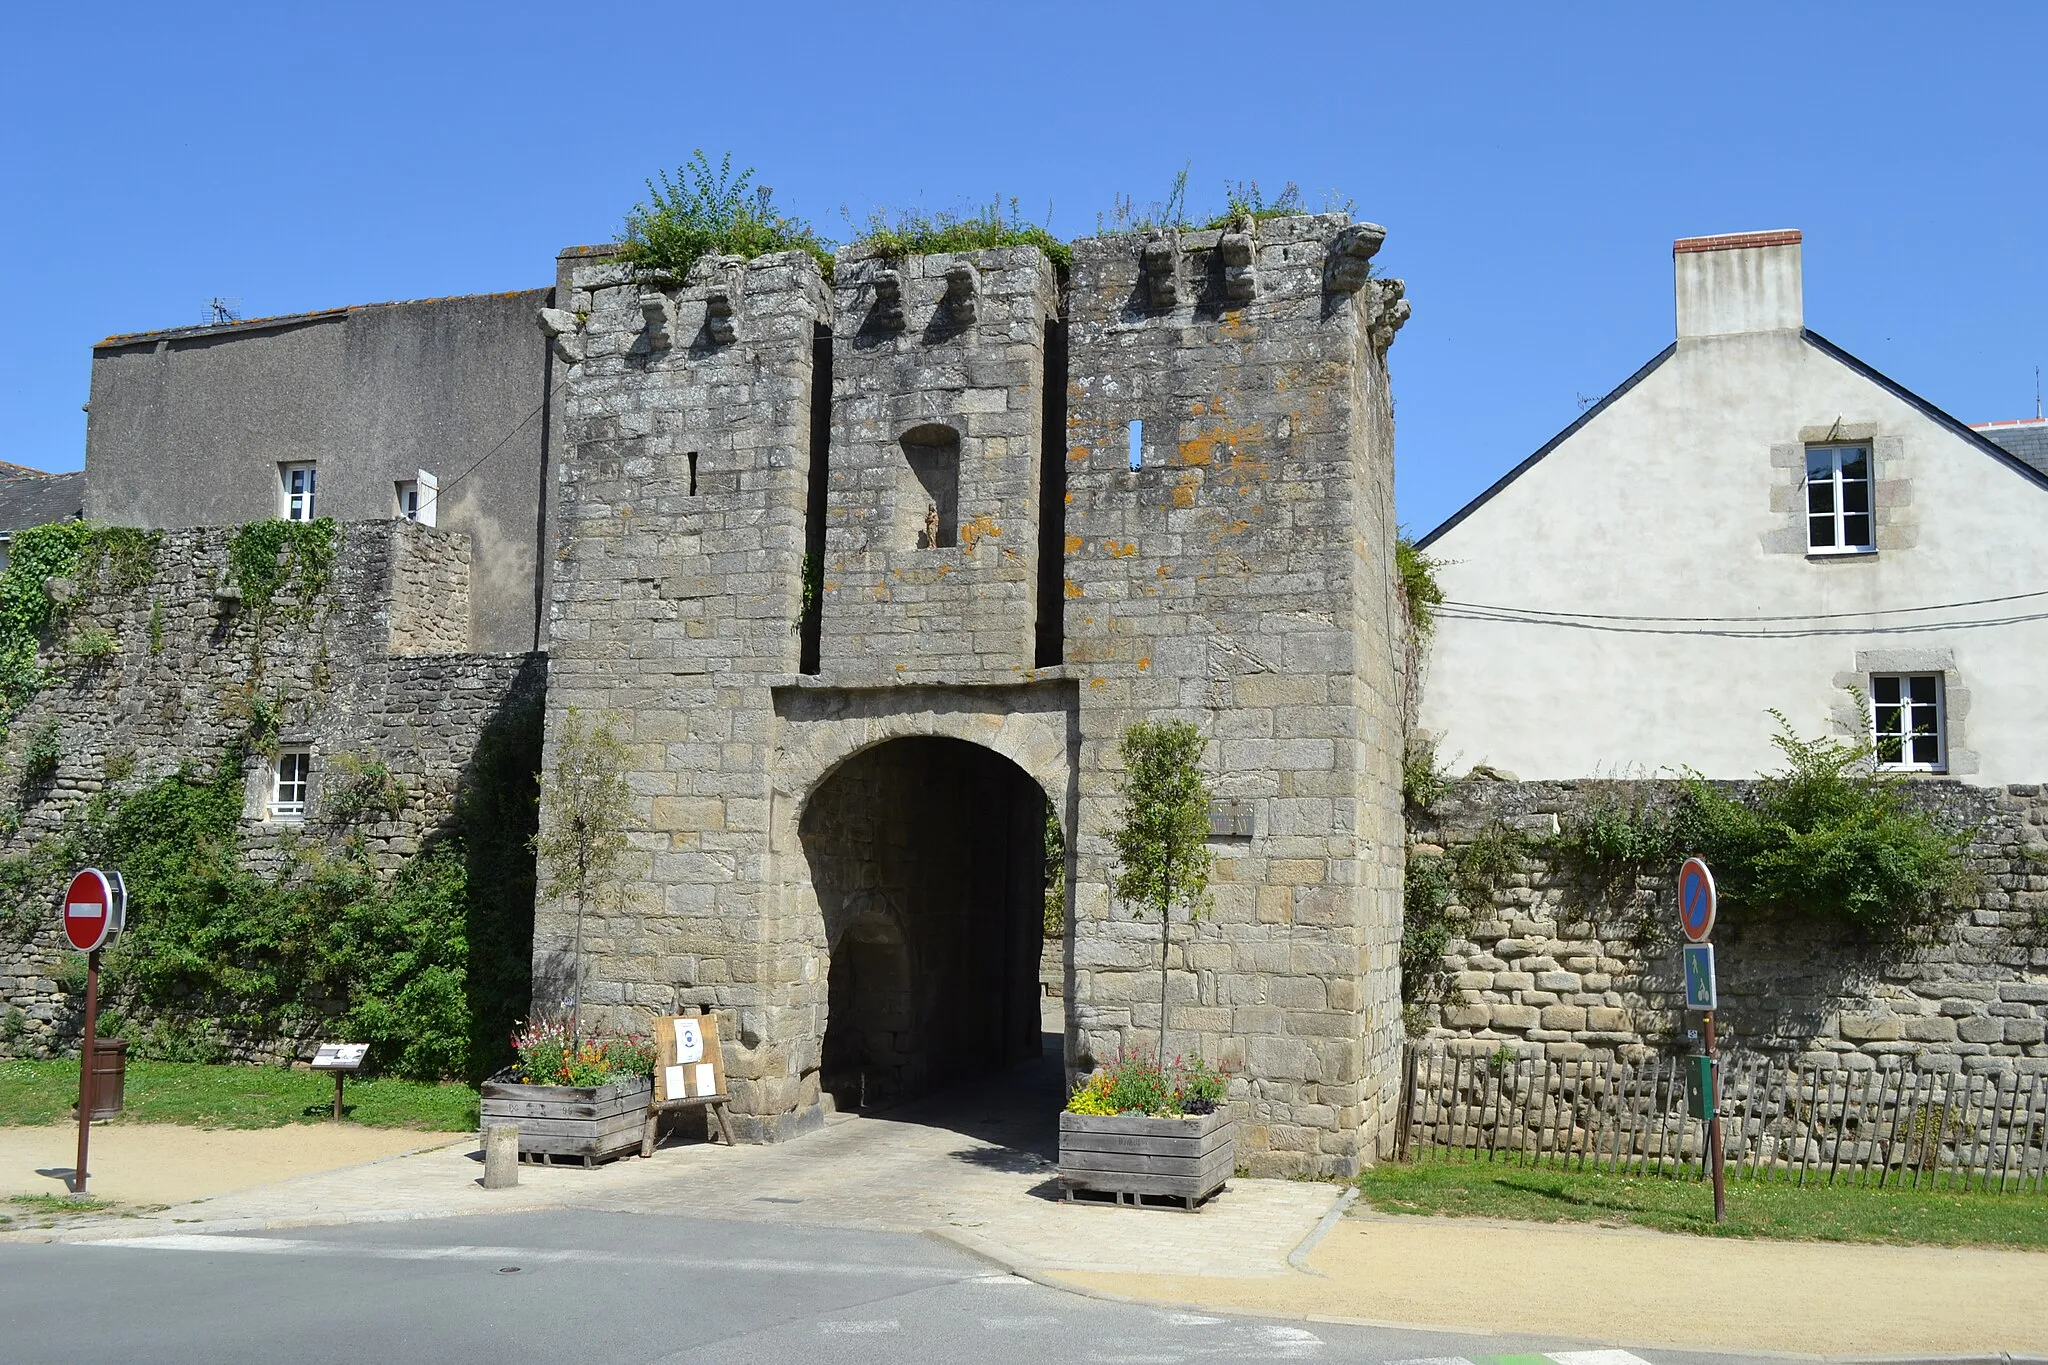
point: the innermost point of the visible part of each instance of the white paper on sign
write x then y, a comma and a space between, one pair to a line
672, 1081
689, 1040
707, 1079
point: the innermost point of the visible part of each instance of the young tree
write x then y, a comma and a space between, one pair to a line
584, 807
1162, 835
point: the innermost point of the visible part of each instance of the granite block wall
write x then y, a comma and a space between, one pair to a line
1552, 965
1242, 578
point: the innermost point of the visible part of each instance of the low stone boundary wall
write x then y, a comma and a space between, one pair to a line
1550, 965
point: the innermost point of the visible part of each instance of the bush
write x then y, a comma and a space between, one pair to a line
1419, 588
708, 211
912, 233
1830, 835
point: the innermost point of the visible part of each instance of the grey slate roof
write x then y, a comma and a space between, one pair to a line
2027, 440
29, 497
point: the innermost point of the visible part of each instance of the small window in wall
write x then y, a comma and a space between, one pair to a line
1906, 722
928, 501
297, 481
1137, 435
288, 783
1838, 511
418, 498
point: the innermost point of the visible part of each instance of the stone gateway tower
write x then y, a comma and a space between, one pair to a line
872, 573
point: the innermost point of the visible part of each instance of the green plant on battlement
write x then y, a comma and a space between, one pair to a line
706, 210
266, 557
912, 232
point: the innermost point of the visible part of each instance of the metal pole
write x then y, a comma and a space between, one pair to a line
1714, 1125
337, 1094
85, 1063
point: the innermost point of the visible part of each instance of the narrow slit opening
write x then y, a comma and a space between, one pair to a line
693, 473
1137, 444
1050, 648
810, 623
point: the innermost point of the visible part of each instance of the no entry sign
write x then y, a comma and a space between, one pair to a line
94, 908
1695, 900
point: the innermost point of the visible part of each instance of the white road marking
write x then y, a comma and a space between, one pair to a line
1018, 1324
281, 1246
1191, 1320
1288, 1343
859, 1328
1596, 1358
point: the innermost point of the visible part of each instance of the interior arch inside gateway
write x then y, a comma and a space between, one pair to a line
928, 859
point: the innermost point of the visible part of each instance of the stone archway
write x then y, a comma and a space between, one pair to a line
926, 856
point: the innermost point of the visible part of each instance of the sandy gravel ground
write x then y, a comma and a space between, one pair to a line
161, 1163
1642, 1288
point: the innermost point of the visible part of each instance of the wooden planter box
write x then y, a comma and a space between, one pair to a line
1134, 1158
586, 1123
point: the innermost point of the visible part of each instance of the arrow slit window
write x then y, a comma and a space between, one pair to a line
289, 781
1906, 722
1839, 518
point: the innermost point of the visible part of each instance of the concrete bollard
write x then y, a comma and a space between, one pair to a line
501, 1156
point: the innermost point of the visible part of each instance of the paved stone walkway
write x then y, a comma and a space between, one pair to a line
974, 1165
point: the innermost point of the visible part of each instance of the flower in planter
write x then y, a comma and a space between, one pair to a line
1136, 1084
548, 1056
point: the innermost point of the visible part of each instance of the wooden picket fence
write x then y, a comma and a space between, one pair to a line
1791, 1124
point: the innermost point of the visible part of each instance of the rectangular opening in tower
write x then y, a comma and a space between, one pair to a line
810, 623
928, 492
1050, 644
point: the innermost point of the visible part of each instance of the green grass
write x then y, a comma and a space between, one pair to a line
1841, 1213
209, 1096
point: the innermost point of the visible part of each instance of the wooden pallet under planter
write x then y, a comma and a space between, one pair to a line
586, 1123
1136, 1159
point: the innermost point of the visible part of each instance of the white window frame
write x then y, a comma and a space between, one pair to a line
291, 783
419, 498
1902, 729
1837, 519
298, 504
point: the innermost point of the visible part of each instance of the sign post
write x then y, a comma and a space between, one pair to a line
340, 1058
1696, 906
95, 912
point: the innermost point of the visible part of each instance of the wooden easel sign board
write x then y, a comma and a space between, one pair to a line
687, 1065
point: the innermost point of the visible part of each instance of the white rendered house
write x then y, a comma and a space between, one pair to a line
1754, 520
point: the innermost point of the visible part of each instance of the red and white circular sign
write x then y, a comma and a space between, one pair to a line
91, 910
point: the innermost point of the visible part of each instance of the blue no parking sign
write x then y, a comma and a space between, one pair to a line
1696, 900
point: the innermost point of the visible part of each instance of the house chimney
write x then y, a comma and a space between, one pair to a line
1742, 282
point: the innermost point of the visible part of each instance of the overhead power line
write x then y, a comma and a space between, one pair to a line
1742, 620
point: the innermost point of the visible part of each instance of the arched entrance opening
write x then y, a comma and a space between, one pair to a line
928, 859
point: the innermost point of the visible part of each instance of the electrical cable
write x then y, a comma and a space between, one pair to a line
443, 492
1747, 620
1615, 625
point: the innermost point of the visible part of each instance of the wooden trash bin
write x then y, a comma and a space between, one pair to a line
109, 1077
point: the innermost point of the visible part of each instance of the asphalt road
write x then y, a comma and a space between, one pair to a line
622, 1288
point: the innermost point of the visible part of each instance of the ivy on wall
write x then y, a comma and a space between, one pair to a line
429, 964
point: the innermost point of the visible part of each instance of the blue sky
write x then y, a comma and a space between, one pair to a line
1532, 165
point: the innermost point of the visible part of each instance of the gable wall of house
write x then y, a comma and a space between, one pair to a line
1682, 500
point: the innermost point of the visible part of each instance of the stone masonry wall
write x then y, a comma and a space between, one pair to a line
675, 600
938, 397
1553, 966
1241, 579
333, 669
